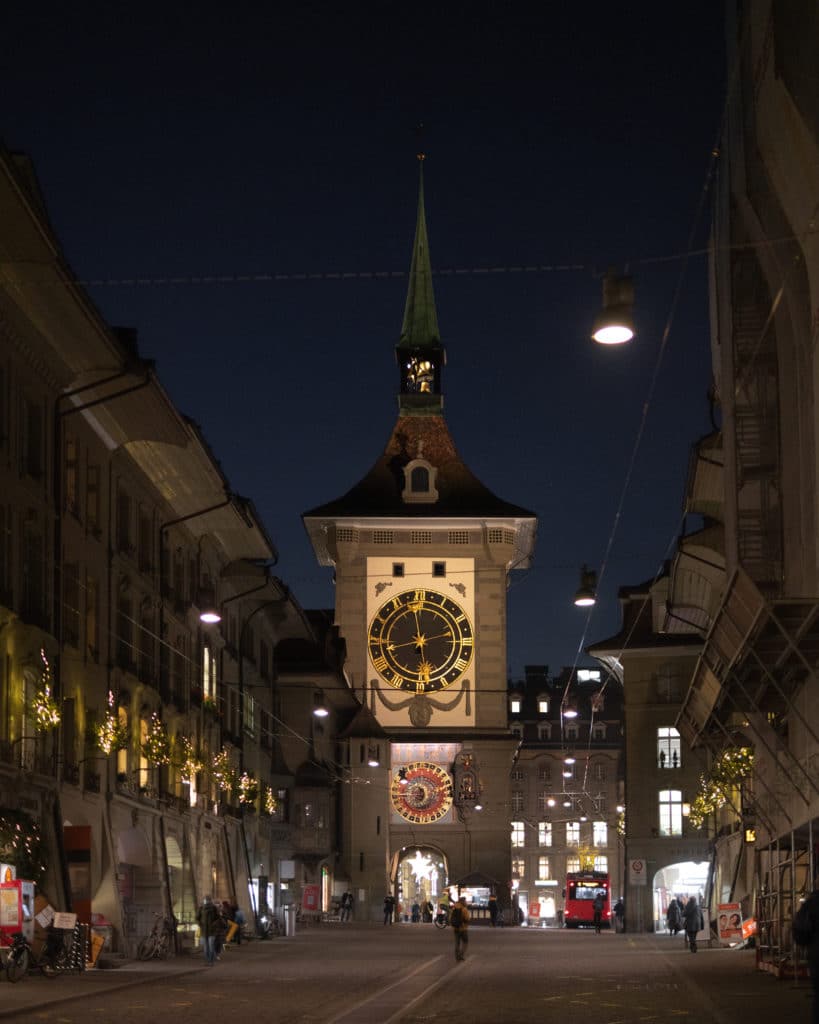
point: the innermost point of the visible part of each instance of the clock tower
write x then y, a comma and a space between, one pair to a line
422, 552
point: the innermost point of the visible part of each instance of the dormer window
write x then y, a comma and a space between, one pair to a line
515, 704
543, 705
419, 482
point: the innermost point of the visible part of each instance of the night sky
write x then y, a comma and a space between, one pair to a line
234, 141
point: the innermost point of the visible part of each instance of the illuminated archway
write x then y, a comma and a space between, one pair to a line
687, 878
420, 877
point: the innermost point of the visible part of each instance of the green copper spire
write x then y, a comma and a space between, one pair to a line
420, 327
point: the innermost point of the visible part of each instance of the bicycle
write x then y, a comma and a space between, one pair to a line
21, 958
157, 944
441, 919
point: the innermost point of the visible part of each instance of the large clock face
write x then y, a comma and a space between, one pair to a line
422, 793
421, 641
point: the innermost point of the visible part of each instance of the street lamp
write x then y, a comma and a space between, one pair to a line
586, 594
614, 324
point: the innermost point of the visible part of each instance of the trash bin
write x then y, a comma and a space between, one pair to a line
289, 920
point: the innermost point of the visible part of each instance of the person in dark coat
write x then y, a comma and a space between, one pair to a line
619, 915
693, 922
811, 906
673, 916
206, 918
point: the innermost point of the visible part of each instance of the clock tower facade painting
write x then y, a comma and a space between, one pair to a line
422, 553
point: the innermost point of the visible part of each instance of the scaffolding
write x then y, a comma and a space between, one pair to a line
757, 656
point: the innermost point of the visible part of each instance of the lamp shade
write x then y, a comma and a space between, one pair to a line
614, 324
586, 594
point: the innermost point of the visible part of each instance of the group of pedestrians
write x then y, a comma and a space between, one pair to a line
685, 917
219, 924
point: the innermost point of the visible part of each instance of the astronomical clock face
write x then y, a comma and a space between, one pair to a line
420, 641
427, 795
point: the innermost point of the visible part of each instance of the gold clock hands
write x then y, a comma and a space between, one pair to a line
418, 641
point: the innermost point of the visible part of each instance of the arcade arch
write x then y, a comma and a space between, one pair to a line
683, 879
419, 876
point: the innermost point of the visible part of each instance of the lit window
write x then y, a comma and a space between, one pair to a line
572, 833
572, 863
670, 812
588, 675
600, 835
543, 870
544, 833
518, 834
601, 863
518, 867
515, 705
668, 748
543, 705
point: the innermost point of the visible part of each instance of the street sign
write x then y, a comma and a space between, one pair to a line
637, 872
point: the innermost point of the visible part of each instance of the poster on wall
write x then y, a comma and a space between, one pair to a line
310, 899
729, 923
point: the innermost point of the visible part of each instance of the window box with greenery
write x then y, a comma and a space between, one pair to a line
210, 706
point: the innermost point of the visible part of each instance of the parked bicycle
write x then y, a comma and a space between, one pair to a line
159, 942
21, 959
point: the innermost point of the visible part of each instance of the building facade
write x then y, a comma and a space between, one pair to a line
566, 786
141, 752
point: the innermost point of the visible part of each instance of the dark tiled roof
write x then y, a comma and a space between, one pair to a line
460, 493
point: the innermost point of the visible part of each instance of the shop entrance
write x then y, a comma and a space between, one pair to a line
688, 878
421, 880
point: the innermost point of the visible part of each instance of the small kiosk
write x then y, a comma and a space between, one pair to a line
16, 905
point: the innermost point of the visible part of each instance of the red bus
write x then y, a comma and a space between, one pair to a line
581, 889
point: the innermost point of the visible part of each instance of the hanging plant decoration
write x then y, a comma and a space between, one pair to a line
157, 745
248, 789
46, 709
210, 705
732, 766
269, 803
224, 773
190, 762
21, 844
110, 733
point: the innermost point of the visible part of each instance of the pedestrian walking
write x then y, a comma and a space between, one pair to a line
346, 906
459, 919
693, 922
673, 916
206, 918
389, 909
493, 910
619, 915
597, 912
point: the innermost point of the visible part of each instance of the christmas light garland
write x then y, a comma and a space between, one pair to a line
730, 768
46, 709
